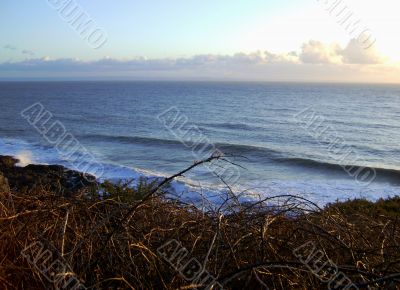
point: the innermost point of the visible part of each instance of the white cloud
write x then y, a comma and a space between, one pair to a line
316, 61
354, 53
318, 52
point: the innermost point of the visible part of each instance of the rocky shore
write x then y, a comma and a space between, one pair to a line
55, 178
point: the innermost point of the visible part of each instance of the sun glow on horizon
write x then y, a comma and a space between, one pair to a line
283, 33
289, 37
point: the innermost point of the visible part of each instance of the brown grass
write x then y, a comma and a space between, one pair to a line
244, 248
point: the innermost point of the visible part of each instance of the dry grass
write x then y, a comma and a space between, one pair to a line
245, 248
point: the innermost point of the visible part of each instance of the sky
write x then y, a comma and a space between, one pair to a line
254, 40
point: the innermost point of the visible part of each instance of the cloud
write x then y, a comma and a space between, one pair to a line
144, 64
23, 51
315, 61
28, 52
354, 53
318, 52
9, 47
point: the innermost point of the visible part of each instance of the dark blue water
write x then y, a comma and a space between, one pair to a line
117, 122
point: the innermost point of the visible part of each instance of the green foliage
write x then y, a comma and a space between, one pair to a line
125, 192
390, 207
384, 207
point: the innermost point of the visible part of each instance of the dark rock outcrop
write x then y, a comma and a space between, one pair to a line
55, 178
7, 161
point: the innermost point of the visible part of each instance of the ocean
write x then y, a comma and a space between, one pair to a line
276, 134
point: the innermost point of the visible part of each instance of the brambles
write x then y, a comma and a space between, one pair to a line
241, 247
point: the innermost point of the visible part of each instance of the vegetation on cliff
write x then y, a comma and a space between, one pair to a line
57, 231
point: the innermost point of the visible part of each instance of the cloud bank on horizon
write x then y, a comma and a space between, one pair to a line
315, 61
254, 40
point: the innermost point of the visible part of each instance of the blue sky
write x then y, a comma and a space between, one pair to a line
156, 28
34, 33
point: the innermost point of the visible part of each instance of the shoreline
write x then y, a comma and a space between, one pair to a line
190, 191
64, 182
56, 178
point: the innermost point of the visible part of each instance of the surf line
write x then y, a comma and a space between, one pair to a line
56, 134
315, 125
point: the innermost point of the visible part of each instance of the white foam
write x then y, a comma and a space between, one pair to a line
211, 195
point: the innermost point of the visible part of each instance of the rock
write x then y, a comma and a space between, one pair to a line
54, 178
4, 186
7, 162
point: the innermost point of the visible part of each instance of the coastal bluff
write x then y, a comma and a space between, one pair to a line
56, 178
